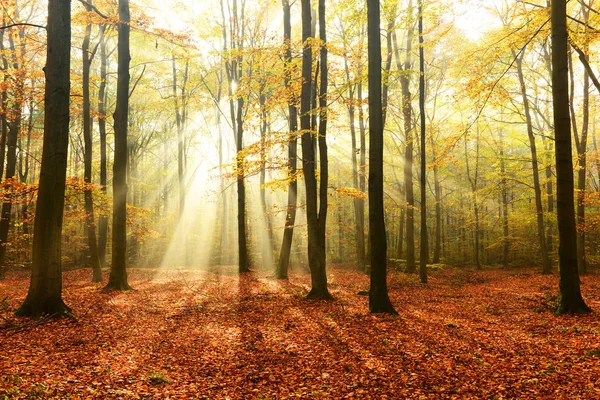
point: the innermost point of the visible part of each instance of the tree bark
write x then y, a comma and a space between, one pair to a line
379, 301
45, 290
103, 220
316, 260
290, 220
570, 300
424, 249
408, 133
87, 156
118, 270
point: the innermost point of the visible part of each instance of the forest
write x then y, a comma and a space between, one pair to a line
270, 199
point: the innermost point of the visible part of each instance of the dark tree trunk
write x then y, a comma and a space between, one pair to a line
570, 292
379, 301
290, 220
316, 241
45, 290
118, 270
87, 156
424, 256
103, 220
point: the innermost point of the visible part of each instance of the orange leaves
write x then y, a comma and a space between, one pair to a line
188, 333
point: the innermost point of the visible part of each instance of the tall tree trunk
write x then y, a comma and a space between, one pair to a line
504, 191
474, 186
118, 270
569, 283
180, 144
548, 145
362, 177
87, 156
437, 249
408, 133
103, 220
315, 242
539, 209
319, 283
424, 256
581, 144
290, 220
267, 239
45, 290
379, 301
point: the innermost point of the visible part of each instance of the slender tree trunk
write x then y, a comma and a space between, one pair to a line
546, 262
45, 290
569, 283
550, 198
408, 155
267, 239
581, 145
180, 144
402, 217
504, 191
424, 256
118, 270
379, 301
87, 156
288, 233
474, 186
103, 220
437, 249
362, 178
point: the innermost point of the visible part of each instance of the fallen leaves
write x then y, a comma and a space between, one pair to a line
217, 335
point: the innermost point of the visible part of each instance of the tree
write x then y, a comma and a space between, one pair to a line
290, 220
571, 301
379, 301
424, 245
87, 157
118, 270
45, 290
315, 218
408, 133
103, 220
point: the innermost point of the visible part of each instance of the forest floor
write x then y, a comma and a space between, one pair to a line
207, 335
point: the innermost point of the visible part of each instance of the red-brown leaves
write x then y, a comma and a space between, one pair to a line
187, 334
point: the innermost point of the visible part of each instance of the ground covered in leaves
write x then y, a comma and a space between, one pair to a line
214, 335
